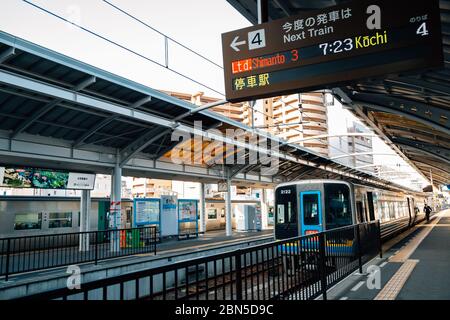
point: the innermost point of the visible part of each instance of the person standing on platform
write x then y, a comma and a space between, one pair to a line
427, 210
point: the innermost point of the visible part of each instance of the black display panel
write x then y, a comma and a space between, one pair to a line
332, 46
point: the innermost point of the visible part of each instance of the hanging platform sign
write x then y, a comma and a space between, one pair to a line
333, 46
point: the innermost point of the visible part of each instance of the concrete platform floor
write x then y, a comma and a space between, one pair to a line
415, 266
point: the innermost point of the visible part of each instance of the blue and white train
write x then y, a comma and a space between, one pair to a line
310, 206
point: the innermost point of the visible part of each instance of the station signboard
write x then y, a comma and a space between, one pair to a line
18, 177
333, 46
146, 212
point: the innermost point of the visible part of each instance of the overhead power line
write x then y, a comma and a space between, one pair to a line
120, 46
161, 33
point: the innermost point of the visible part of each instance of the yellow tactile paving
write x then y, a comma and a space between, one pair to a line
395, 284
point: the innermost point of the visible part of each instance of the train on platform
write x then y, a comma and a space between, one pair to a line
311, 206
22, 216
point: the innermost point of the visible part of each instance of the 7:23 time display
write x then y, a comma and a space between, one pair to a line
337, 46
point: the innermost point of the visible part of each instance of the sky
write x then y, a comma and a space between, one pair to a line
197, 24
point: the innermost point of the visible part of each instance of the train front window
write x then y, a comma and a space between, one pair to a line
337, 206
310, 209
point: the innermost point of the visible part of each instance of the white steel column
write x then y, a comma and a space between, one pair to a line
264, 209
115, 210
202, 208
228, 221
85, 208
145, 187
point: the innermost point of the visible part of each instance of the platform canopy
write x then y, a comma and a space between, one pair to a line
409, 112
59, 113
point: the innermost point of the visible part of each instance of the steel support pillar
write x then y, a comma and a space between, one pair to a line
262, 7
228, 220
115, 209
202, 208
264, 209
85, 208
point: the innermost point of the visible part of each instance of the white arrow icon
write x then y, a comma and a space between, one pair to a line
235, 43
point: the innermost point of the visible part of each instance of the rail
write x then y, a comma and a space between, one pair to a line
296, 268
31, 253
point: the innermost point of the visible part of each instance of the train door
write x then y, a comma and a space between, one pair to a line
310, 212
371, 206
286, 220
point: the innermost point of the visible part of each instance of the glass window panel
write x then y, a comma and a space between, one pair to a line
212, 213
280, 213
28, 221
338, 211
60, 220
310, 209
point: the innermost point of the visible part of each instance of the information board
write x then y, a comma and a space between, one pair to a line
146, 211
332, 46
187, 210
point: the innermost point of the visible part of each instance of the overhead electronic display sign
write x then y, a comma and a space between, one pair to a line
332, 46
14, 177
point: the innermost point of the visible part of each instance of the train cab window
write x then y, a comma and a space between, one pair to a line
337, 206
28, 221
310, 209
60, 220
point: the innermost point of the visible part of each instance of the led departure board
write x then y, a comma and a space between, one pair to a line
332, 46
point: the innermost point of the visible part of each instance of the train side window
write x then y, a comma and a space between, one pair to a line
28, 221
386, 211
391, 210
60, 220
371, 204
212, 213
359, 209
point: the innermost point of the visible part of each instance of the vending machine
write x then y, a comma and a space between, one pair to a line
248, 217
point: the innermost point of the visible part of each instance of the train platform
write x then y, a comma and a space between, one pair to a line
208, 239
414, 266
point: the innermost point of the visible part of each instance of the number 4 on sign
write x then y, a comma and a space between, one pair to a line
256, 39
422, 30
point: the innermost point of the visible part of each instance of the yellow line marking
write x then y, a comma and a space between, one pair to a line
396, 283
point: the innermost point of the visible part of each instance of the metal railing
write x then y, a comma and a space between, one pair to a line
31, 253
297, 268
